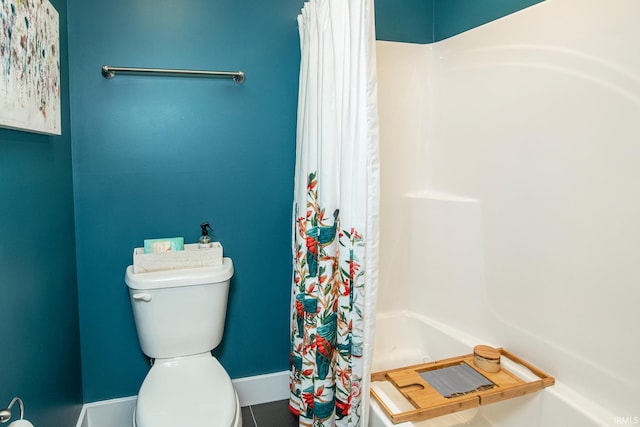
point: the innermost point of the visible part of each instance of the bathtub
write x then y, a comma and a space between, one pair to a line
406, 338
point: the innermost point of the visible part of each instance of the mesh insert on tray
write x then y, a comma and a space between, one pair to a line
456, 380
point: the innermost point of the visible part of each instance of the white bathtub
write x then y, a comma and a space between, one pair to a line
406, 338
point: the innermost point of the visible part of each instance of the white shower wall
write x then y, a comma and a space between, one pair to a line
511, 189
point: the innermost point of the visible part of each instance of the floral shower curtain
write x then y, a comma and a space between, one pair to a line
335, 224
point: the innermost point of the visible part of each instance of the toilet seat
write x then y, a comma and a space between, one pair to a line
192, 391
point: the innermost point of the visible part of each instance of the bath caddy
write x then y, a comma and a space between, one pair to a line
429, 402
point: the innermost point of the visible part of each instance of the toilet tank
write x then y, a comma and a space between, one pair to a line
179, 312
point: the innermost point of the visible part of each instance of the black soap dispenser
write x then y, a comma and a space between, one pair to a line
205, 239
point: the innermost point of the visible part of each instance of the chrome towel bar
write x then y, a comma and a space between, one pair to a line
109, 72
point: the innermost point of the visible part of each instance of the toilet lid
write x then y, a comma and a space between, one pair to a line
192, 391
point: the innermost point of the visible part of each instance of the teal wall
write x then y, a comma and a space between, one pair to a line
405, 20
428, 21
156, 156
456, 16
39, 351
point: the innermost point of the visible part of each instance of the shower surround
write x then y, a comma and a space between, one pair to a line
509, 191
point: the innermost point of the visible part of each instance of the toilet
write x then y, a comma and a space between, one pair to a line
179, 316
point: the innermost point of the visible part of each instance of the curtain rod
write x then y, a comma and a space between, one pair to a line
109, 72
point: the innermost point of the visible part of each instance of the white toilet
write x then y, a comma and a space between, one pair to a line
179, 317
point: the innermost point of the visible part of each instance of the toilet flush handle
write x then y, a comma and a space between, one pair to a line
142, 297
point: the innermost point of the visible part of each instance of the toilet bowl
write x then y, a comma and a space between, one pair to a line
179, 316
194, 390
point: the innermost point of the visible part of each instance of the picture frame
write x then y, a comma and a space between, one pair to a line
30, 66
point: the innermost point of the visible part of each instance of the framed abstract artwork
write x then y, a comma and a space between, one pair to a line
29, 66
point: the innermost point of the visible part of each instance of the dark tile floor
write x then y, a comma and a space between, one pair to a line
272, 414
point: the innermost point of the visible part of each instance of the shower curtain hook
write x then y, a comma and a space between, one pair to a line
5, 414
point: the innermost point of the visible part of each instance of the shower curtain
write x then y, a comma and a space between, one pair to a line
335, 215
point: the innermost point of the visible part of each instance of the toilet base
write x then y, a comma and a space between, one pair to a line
237, 419
194, 388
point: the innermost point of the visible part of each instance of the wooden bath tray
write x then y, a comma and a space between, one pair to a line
429, 403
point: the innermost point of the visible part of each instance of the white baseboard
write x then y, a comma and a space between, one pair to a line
108, 413
251, 391
262, 388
